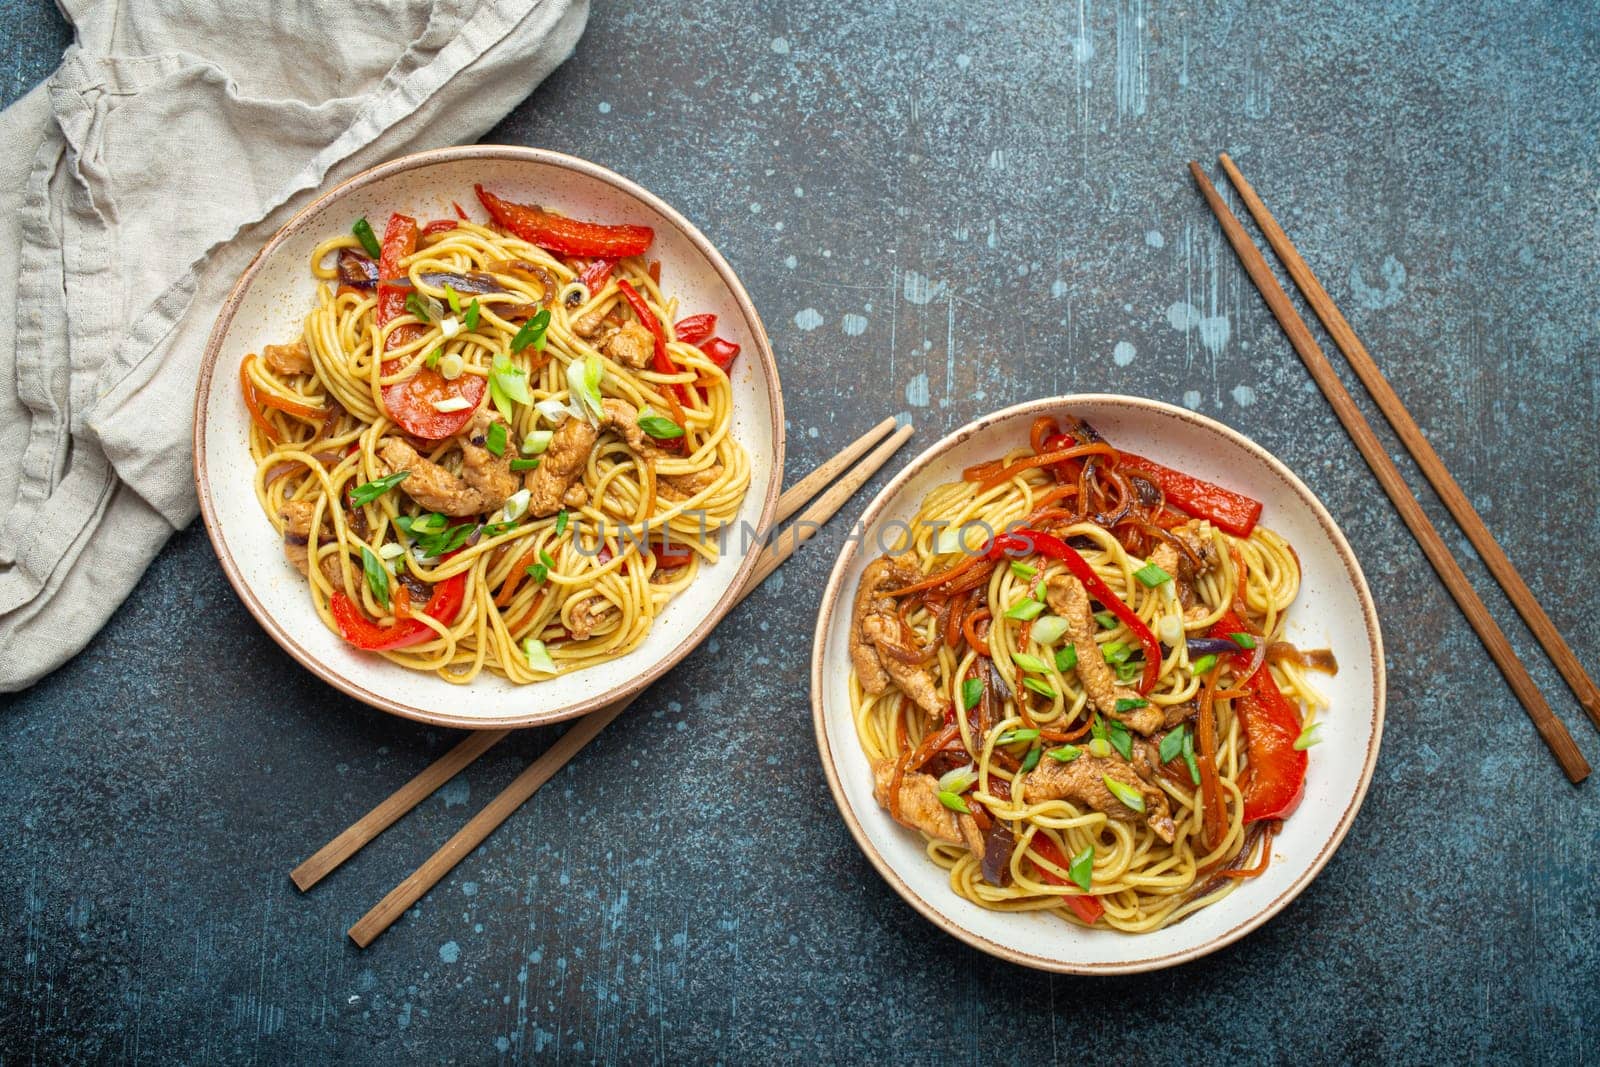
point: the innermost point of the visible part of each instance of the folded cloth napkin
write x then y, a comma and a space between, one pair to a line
135, 185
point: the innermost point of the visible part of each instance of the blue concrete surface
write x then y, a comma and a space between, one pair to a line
940, 209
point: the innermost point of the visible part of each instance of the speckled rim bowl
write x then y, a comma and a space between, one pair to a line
1334, 610
269, 305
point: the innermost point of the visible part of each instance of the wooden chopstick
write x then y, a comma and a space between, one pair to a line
1550, 728
584, 730
1433, 468
1544, 720
365, 829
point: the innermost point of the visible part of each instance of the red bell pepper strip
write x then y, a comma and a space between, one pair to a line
1233, 512
1086, 907
1277, 770
356, 628
661, 360
695, 328
438, 226
411, 402
1023, 542
670, 554
594, 274
720, 352
462, 215
570, 237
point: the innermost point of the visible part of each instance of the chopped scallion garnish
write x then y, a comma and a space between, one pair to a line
1031, 760
1131, 704
1082, 868
1151, 576
954, 803
1120, 739
659, 426
1024, 610
532, 333
471, 317
1039, 687
1204, 663
495, 439
1172, 744
536, 441
971, 693
1308, 737
453, 300
538, 572
377, 576
1012, 737
369, 240
1022, 570
526, 464
546, 559
1243, 640
1100, 747
1188, 757
1130, 797
1048, 629
416, 307
538, 656
561, 522
1029, 663
1065, 753
366, 493
1066, 657
432, 362
1106, 619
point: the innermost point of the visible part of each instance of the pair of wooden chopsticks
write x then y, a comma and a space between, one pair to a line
1550, 728
586, 729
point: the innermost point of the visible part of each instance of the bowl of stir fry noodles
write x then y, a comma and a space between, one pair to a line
1098, 685
488, 436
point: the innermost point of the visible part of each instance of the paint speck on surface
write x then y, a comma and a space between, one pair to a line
808, 318
1058, 288
457, 791
790, 262
780, 45
1154, 239
919, 289
1243, 395
1214, 333
449, 952
605, 108
502, 1044
1191, 399
1393, 274
755, 209
853, 325
469, 889
799, 190
963, 60
813, 433
1123, 353
997, 159
917, 391
1183, 315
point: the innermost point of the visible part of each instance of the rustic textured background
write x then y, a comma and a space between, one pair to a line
940, 209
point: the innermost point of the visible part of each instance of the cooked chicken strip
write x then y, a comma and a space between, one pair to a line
297, 516
552, 484
588, 614
684, 486
484, 483
288, 359
1068, 599
914, 681
1083, 783
630, 344
874, 624
920, 808
1197, 535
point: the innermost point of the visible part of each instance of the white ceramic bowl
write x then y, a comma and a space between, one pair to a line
268, 306
1334, 610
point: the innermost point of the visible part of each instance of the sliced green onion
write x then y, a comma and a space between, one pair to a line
1066, 657
1100, 747
1188, 757
433, 358
954, 803
546, 559
453, 300
495, 439
1022, 570
452, 366
1115, 652
471, 317
415, 305
1029, 663
1082, 868
1024, 610
1131, 798
1130, 670
391, 550
538, 656
1065, 753
1011, 737
1151, 575
532, 333
1131, 704
583, 382
526, 464
366, 493
1097, 727
516, 505
1031, 760
1243, 640
452, 403
538, 572
1106, 619
508, 384
1308, 737
537, 441
553, 411
1204, 663
369, 240
1047, 629
1039, 687
958, 779
971, 693
1120, 739
1039, 592
659, 426
561, 522
1172, 744
377, 576
428, 523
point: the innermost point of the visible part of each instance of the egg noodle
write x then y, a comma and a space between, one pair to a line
1025, 718
461, 593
